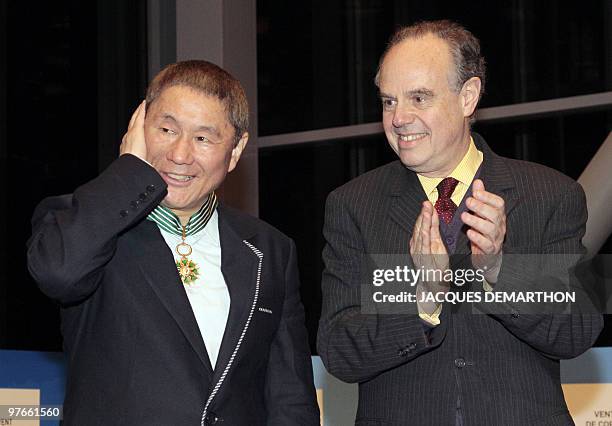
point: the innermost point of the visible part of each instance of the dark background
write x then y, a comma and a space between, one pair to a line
72, 72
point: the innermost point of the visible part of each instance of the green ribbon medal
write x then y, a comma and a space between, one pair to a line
169, 222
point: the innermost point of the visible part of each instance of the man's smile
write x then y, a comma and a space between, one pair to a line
412, 137
173, 178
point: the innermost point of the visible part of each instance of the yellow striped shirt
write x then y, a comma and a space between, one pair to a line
464, 173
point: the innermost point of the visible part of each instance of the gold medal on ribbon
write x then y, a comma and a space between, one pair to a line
169, 222
187, 268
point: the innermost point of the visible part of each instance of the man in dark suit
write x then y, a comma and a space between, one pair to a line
449, 194
175, 310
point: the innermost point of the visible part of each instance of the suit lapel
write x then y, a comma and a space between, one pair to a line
498, 180
157, 264
239, 267
496, 175
407, 197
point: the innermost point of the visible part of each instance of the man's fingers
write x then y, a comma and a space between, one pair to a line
485, 211
426, 232
415, 239
422, 243
480, 193
133, 141
139, 111
435, 227
487, 232
426, 212
418, 224
478, 185
484, 245
426, 239
480, 225
133, 117
489, 198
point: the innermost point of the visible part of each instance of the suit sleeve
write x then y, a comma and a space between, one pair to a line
74, 236
556, 335
353, 345
290, 392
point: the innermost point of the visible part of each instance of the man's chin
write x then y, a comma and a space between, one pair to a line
411, 163
175, 205
182, 205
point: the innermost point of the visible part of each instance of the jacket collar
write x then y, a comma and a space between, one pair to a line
239, 268
239, 265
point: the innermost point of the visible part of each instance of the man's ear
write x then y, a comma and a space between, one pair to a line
470, 94
237, 151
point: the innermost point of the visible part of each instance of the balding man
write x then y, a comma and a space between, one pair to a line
448, 203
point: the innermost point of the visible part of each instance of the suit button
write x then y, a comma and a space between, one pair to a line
515, 315
460, 363
151, 188
124, 213
135, 204
412, 346
143, 196
213, 419
402, 352
450, 240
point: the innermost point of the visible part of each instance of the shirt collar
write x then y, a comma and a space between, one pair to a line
169, 222
464, 172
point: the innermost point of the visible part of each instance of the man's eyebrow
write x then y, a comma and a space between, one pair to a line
410, 93
201, 128
420, 91
169, 117
384, 95
211, 129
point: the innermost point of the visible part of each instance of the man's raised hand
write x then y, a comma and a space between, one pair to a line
426, 246
487, 223
133, 141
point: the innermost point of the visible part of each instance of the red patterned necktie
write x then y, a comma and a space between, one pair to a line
445, 206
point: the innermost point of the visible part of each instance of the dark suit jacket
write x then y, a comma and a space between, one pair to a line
504, 367
135, 353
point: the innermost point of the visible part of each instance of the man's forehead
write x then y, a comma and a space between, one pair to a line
421, 58
181, 98
184, 90
423, 43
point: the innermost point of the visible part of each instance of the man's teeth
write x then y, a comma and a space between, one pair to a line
413, 137
182, 178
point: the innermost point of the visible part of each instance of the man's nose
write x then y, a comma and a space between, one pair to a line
403, 116
181, 151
